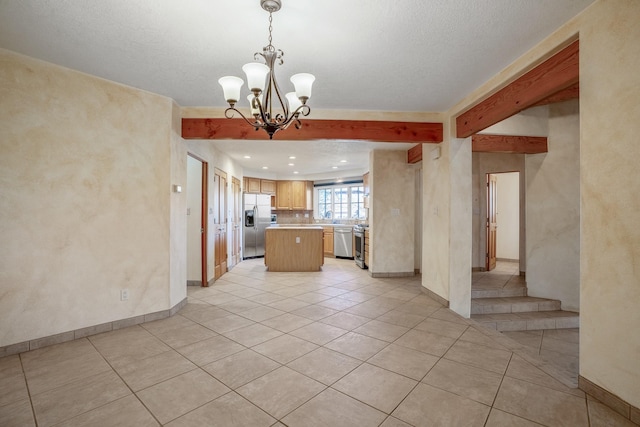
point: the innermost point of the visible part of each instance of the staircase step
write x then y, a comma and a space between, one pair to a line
499, 292
527, 321
513, 305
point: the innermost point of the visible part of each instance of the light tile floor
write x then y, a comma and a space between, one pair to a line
559, 347
333, 348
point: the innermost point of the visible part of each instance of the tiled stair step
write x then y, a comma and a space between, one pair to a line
512, 305
499, 293
529, 320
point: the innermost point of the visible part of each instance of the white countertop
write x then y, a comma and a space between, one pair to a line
295, 227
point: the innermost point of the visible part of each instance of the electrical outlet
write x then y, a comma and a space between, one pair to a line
297, 239
124, 294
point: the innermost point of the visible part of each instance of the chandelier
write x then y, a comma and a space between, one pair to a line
288, 109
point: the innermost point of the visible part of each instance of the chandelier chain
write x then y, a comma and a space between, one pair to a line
270, 29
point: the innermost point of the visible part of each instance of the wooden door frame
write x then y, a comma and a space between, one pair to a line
204, 223
488, 223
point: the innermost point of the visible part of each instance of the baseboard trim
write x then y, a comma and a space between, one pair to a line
386, 275
194, 282
614, 402
435, 296
88, 331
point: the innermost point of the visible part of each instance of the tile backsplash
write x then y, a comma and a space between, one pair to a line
298, 217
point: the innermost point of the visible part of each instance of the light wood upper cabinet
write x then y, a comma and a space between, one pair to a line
298, 195
267, 186
283, 195
309, 186
294, 195
365, 183
251, 185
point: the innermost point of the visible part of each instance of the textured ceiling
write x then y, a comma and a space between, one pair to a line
399, 55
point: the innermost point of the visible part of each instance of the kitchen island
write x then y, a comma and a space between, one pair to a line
292, 248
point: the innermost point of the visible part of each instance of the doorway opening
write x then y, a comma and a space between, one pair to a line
197, 176
503, 210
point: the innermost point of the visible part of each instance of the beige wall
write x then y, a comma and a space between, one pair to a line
609, 185
391, 213
460, 214
193, 190
85, 181
435, 218
178, 227
553, 210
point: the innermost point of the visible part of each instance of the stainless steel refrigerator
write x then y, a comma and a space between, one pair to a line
257, 217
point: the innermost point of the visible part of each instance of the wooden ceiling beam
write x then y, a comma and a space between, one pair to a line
550, 77
485, 143
572, 92
375, 131
414, 154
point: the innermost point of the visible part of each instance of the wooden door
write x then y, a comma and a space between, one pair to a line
492, 225
220, 223
235, 220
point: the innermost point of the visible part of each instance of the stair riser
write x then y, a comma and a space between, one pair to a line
499, 293
534, 324
515, 307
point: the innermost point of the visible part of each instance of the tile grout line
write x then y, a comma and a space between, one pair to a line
24, 374
123, 382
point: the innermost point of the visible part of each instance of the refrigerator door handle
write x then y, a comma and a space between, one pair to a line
255, 215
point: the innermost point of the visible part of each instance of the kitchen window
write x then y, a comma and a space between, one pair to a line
340, 202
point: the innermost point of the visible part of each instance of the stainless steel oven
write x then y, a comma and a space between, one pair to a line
358, 234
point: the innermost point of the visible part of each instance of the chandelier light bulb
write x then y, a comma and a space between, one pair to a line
303, 83
254, 111
294, 102
231, 87
256, 76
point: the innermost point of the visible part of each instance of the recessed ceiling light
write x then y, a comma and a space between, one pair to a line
291, 164
247, 157
343, 161
265, 167
334, 167
292, 157
296, 172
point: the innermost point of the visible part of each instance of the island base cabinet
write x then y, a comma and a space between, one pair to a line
294, 249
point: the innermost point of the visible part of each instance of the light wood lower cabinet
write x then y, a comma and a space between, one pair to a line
328, 241
293, 248
367, 241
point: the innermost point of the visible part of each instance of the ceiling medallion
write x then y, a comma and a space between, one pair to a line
288, 108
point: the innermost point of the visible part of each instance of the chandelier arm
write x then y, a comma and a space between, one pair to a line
284, 105
303, 109
263, 116
228, 113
